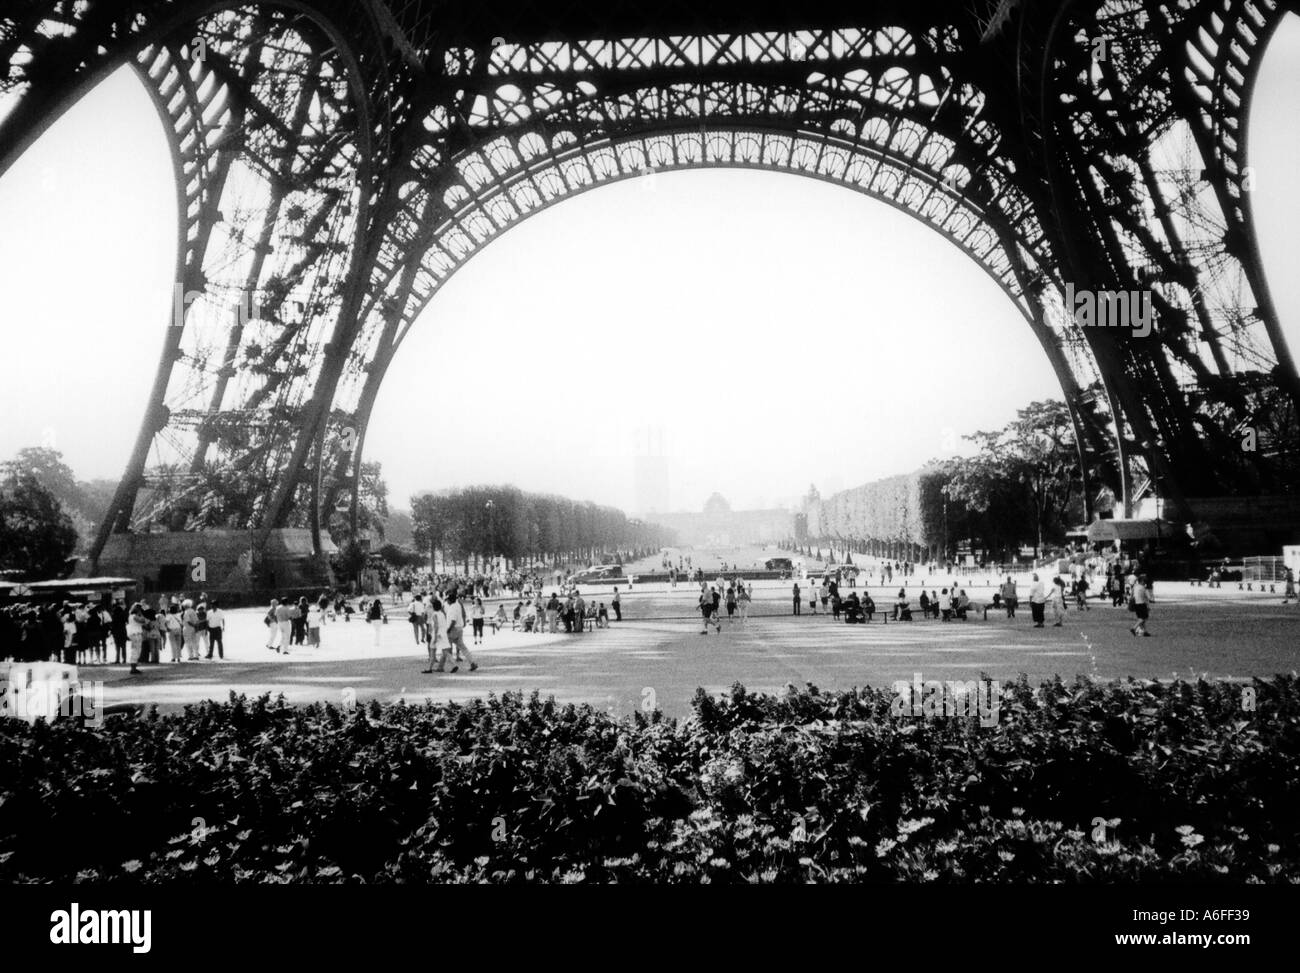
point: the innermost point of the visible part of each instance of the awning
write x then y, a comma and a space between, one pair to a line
79, 584
1105, 531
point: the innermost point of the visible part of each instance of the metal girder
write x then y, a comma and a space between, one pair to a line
338, 161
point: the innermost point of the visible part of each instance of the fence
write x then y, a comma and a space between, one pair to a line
1263, 569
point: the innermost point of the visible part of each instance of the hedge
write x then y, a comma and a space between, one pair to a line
1081, 782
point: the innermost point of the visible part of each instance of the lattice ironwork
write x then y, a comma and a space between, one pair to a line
338, 160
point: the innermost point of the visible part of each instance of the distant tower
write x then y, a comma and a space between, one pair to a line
651, 472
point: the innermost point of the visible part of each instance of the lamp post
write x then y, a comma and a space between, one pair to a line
491, 529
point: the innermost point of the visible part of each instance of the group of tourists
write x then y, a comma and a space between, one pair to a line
735, 595
1134, 591
573, 612
497, 581
80, 633
289, 623
440, 614
952, 603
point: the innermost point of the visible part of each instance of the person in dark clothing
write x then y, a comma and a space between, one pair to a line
853, 609
117, 629
796, 598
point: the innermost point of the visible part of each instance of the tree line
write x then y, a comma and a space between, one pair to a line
1022, 488
483, 522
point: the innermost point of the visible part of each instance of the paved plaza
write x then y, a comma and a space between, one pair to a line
658, 649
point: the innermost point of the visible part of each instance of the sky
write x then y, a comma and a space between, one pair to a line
772, 330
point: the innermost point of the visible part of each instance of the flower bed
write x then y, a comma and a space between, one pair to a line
1076, 782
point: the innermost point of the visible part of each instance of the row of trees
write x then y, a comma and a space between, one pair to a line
504, 521
1023, 487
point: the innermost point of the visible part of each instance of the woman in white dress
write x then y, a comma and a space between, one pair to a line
314, 614
436, 633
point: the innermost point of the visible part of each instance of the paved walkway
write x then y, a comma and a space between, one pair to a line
658, 654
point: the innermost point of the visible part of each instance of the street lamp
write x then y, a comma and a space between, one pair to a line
491, 528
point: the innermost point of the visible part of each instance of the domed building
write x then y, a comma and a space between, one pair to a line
720, 526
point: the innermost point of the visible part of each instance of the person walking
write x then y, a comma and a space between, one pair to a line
202, 631
175, 635
415, 614
617, 604
435, 634
1290, 587
1009, 596
1116, 582
1056, 602
190, 630
743, 598
706, 609
375, 616
731, 604
216, 631
1037, 601
797, 598
284, 621
117, 626
300, 622
1140, 602
477, 614
135, 635
456, 621
314, 616
153, 636
552, 613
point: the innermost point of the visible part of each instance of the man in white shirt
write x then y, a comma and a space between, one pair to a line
1141, 595
418, 613
216, 631
1038, 601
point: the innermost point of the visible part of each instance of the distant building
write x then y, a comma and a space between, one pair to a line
720, 526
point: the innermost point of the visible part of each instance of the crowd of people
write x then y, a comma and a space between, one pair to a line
495, 582
80, 633
440, 613
440, 607
734, 594
1123, 582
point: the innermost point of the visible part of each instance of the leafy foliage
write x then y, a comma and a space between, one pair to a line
753, 788
36, 535
85, 502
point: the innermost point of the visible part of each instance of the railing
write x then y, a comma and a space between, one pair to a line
1263, 569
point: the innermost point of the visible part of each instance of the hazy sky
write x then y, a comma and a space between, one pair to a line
776, 329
